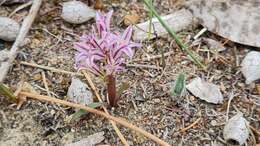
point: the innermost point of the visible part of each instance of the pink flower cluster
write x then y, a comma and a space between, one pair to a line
103, 52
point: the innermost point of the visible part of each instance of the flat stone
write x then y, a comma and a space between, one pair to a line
205, 91
9, 29
79, 93
76, 12
177, 21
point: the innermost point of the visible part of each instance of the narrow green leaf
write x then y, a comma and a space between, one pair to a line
77, 115
94, 105
179, 87
6, 92
173, 34
150, 22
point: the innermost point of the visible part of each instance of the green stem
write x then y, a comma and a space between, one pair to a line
150, 22
173, 34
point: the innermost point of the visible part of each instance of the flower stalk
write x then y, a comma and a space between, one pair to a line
111, 90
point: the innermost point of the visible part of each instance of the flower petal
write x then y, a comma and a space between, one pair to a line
127, 34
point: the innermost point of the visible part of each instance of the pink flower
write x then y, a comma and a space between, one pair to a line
103, 52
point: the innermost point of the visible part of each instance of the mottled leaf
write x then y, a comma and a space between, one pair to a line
179, 87
77, 115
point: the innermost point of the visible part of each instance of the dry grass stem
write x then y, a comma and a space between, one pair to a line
190, 126
45, 83
50, 68
97, 112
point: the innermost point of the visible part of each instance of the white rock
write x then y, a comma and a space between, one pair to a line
76, 12
9, 29
251, 66
79, 93
177, 21
236, 131
91, 140
238, 21
205, 91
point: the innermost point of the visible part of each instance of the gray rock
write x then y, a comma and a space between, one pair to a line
91, 140
177, 21
251, 66
76, 12
239, 21
236, 130
205, 91
79, 93
9, 29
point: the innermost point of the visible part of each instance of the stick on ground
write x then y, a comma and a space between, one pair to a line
4, 66
50, 68
190, 126
97, 112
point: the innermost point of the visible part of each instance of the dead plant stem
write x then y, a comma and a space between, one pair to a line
97, 112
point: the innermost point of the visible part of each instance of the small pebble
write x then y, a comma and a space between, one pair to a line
9, 29
213, 123
76, 12
79, 93
156, 100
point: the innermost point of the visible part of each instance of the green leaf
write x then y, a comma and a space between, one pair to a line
6, 92
77, 115
94, 105
150, 22
179, 86
173, 34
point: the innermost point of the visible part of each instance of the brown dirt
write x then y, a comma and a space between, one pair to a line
146, 103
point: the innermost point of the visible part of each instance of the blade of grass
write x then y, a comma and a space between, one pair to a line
173, 34
150, 22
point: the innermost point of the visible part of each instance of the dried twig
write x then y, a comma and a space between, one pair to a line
200, 33
4, 67
50, 68
231, 96
20, 8
257, 133
156, 56
92, 86
190, 126
2, 2
45, 83
97, 112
